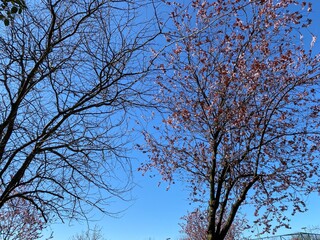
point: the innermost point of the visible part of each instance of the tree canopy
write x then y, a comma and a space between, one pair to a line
240, 89
68, 78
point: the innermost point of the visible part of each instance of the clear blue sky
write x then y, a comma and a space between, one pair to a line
155, 212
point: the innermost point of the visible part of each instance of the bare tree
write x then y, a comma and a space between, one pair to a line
94, 234
70, 71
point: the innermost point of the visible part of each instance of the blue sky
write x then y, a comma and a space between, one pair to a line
155, 213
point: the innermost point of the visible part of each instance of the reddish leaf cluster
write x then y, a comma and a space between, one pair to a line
20, 220
242, 97
195, 225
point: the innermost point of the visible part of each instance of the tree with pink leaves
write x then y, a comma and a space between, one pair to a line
195, 225
20, 220
241, 91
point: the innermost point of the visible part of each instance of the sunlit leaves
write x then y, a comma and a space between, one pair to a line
241, 94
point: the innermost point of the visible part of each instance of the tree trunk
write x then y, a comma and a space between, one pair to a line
213, 236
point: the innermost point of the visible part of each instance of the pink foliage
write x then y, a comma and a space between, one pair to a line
195, 226
19, 220
242, 97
